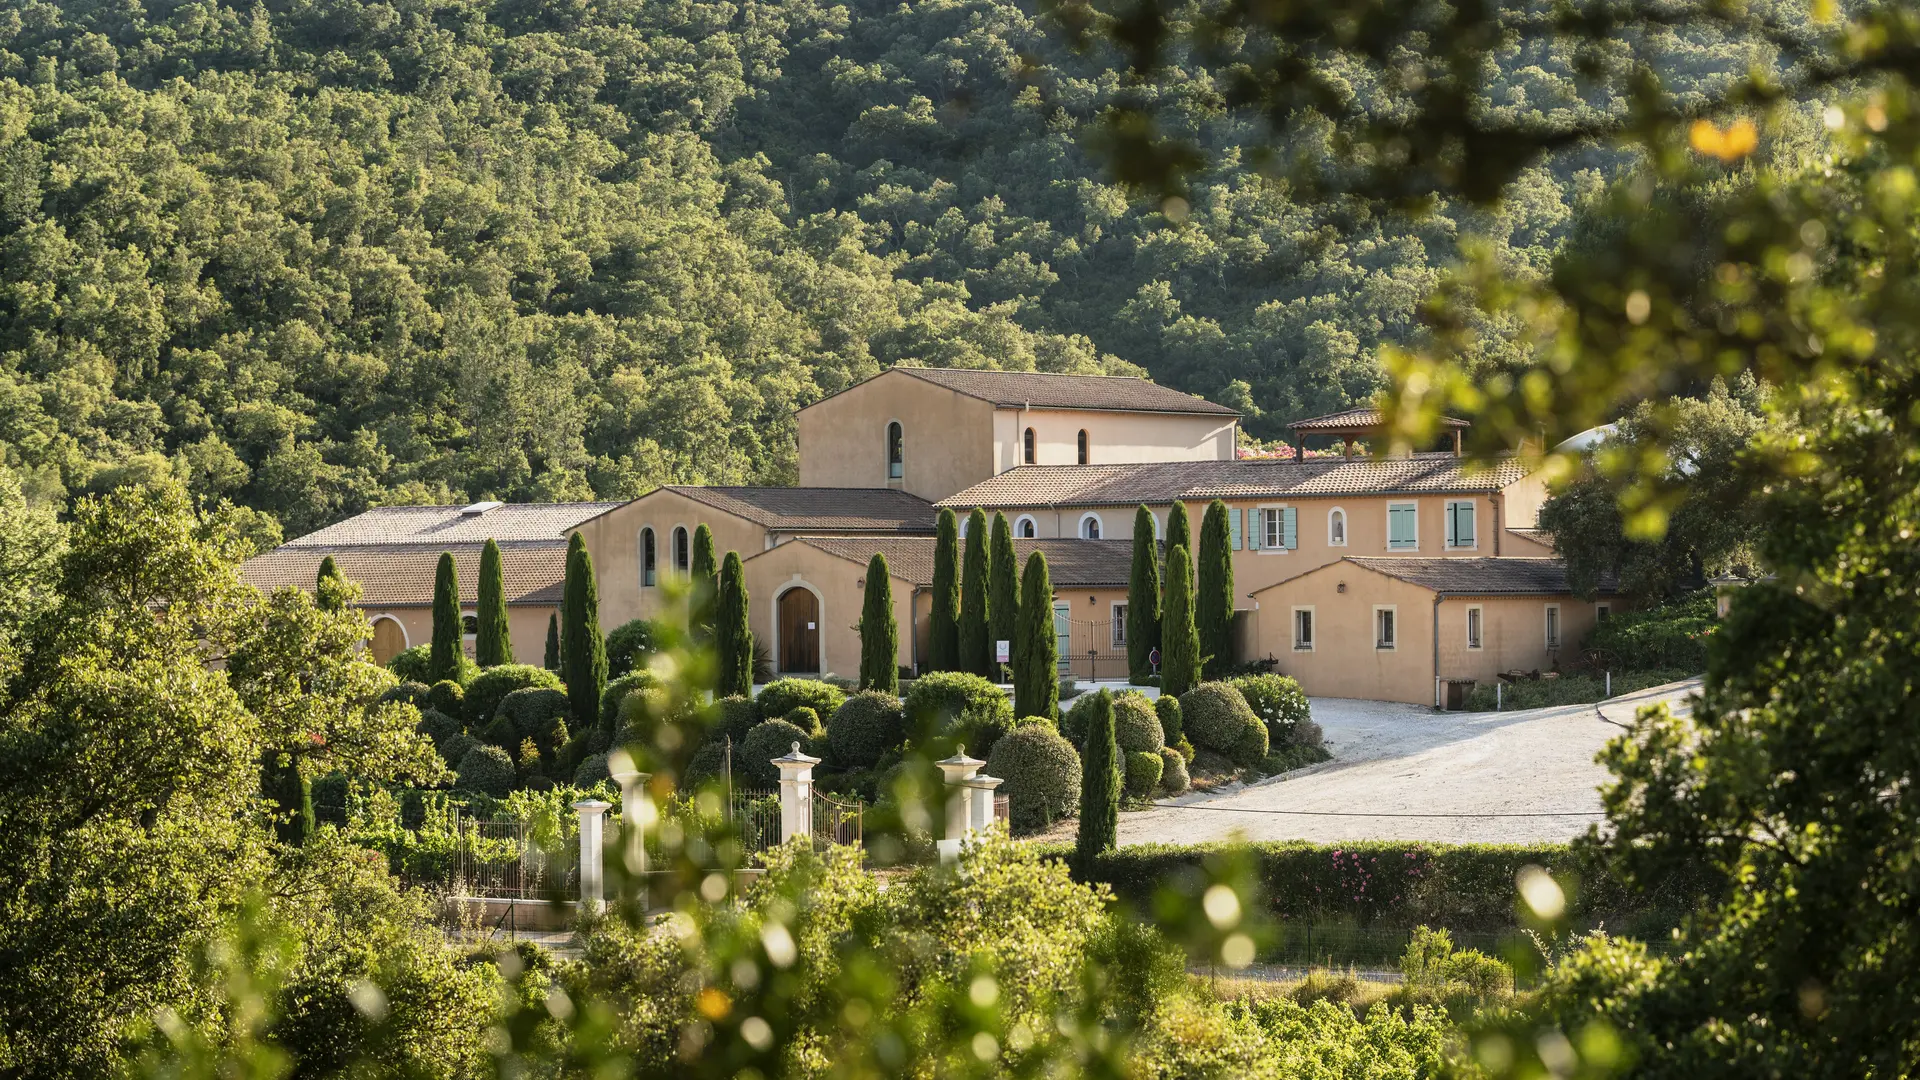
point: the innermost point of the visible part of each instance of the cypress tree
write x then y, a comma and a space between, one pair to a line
1099, 787
553, 642
291, 793
1143, 598
493, 642
1179, 639
329, 587
1179, 532
1036, 659
879, 632
976, 651
1213, 592
583, 652
443, 662
732, 636
703, 590
943, 650
1003, 596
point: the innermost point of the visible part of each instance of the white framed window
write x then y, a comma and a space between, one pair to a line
1460, 522
1553, 626
682, 551
1475, 620
1386, 627
896, 451
1279, 528
1602, 612
964, 518
1303, 629
649, 558
1119, 625
1025, 528
1090, 527
1336, 527
1403, 526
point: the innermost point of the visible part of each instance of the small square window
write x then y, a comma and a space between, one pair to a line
1383, 628
1303, 629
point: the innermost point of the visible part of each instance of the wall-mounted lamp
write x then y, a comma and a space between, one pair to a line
1342, 587
1091, 600
859, 583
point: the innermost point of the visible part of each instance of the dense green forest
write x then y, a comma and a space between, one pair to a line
317, 256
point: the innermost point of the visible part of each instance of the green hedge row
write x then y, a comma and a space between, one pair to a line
1467, 887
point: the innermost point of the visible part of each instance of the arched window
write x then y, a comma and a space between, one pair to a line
682, 559
1024, 528
1083, 446
1337, 527
649, 558
896, 451
1029, 457
1090, 527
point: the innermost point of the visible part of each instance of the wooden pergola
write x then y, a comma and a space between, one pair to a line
1353, 425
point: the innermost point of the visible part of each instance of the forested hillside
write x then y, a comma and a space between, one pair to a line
315, 256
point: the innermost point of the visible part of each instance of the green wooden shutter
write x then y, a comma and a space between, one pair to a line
1290, 528
1256, 529
1233, 526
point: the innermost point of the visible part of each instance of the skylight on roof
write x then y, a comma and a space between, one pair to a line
476, 509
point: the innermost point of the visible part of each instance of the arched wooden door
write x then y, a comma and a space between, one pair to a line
799, 632
389, 641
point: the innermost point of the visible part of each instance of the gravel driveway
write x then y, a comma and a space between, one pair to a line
1390, 758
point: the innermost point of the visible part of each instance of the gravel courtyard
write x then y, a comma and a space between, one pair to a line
1401, 759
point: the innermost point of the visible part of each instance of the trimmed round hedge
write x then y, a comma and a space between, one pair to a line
868, 725
1173, 771
1216, 717
1143, 772
707, 763
628, 647
1172, 727
448, 697
412, 665
534, 712
1042, 774
616, 693
733, 718
782, 696
487, 769
1136, 727
455, 749
1278, 701
1252, 746
493, 684
975, 712
769, 739
407, 693
592, 770
437, 726
805, 719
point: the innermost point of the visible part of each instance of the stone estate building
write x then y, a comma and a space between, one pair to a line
1333, 557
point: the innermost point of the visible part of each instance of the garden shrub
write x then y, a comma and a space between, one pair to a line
1434, 972
753, 757
1568, 689
1074, 720
1136, 727
1173, 771
616, 693
1278, 701
1172, 728
805, 719
539, 782
1673, 635
491, 686
707, 763
865, 727
1250, 750
970, 709
782, 696
456, 747
1143, 772
628, 647
1042, 774
448, 697
734, 717
487, 769
407, 693
501, 732
437, 726
412, 665
534, 713
1295, 756
1216, 718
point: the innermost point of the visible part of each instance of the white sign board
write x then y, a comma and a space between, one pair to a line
810, 626
1003, 652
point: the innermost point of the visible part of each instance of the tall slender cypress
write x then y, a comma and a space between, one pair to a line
976, 652
731, 634
1179, 639
553, 642
1179, 532
493, 641
1003, 596
1143, 598
583, 652
879, 632
329, 587
943, 649
703, 571
282, 782
1099, 787
1036, 652
443, 661
1213, 592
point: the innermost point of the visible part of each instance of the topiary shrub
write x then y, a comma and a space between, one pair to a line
1250, 749
806, 720
734, 717
502, 732
628, 647
1216, 717
1074, 720
782, 696
1278, 701
975, 712
456, 748
1172, 727
412, 665
489, 688
1042, 774
1136, 727
448, 697
437, 726
1173, 771
407, 693
867, 726
1143, 773
534, 712
540, 782
753, 757
617, 692
707, 763
488, 770
592, 771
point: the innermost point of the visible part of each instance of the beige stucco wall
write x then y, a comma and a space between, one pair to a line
947, 437
1514, 544
839, 585
613, 538
1090, 624
1520, 501
526, 625
1112, 438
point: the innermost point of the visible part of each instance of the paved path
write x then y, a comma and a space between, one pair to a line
1403, 759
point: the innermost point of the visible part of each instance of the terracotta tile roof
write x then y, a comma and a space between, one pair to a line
393, 575
1479, 576
1073, 564
1108, 393
1365, 416
1158, 483
791, 509
503, 523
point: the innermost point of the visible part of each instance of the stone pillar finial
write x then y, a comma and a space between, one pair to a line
958, 769
593, 816
981, 789
796, 793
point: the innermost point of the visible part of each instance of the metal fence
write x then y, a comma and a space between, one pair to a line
501, 858
837, 821
1003, 810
